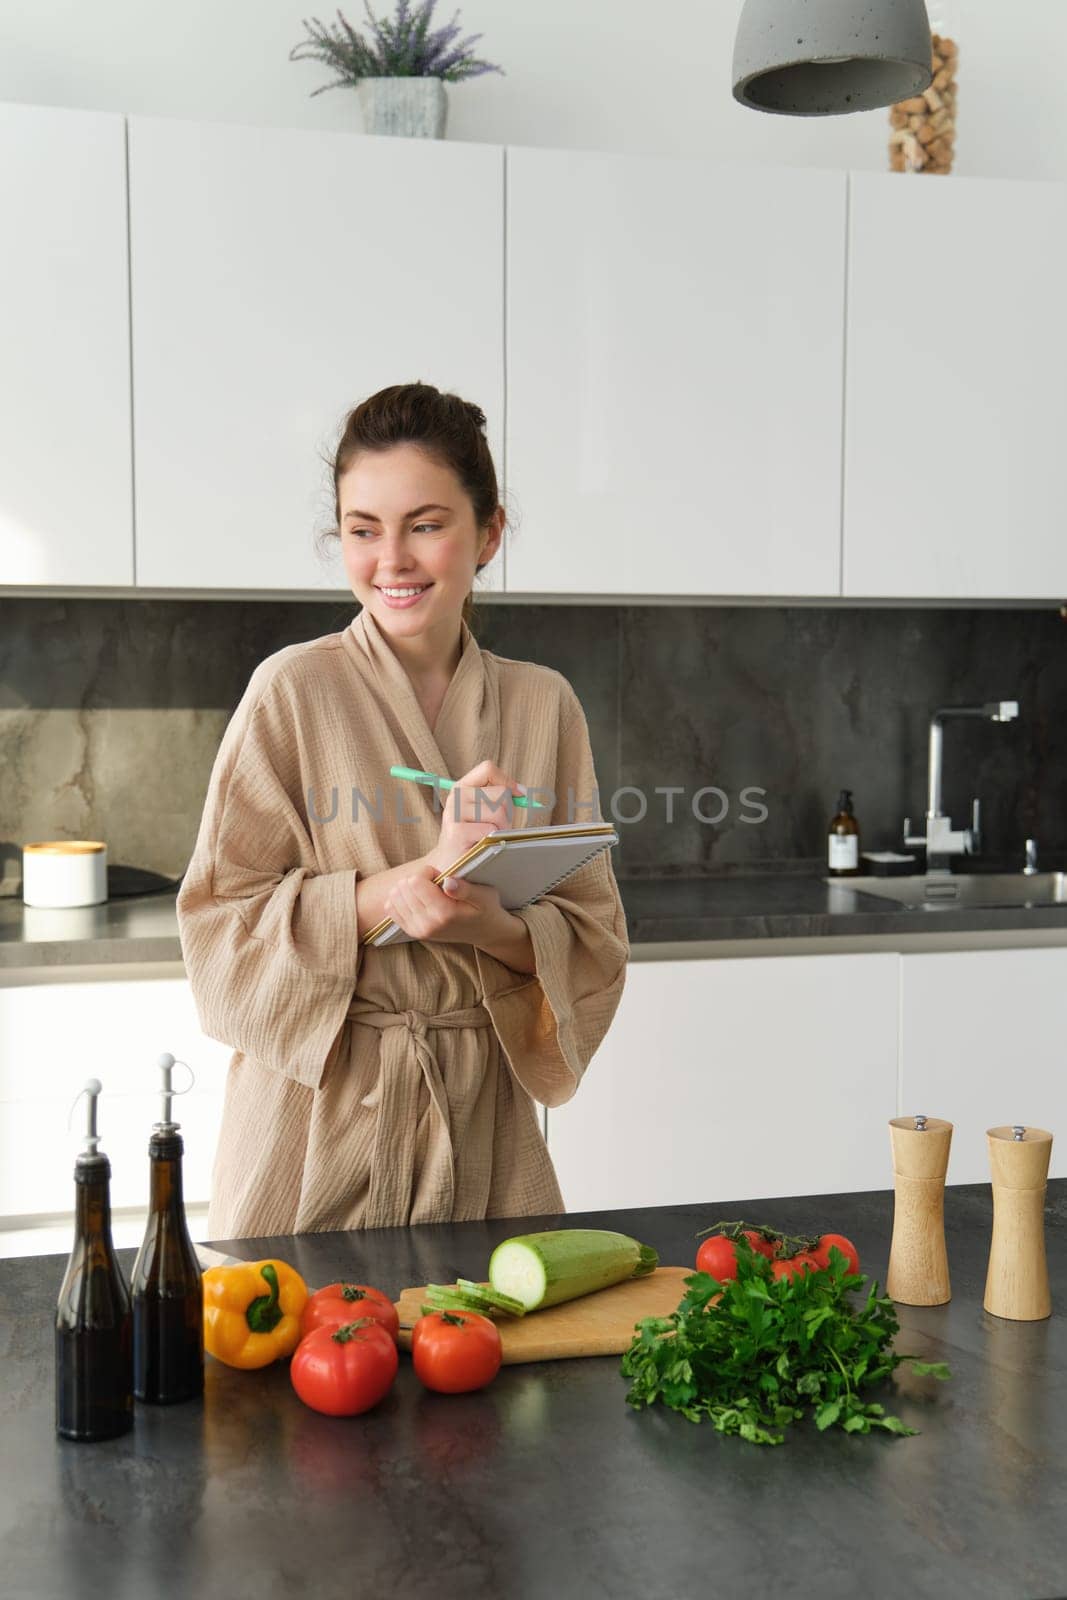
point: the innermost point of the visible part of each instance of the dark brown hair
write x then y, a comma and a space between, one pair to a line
447, 428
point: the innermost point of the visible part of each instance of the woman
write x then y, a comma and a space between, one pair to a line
375, 1088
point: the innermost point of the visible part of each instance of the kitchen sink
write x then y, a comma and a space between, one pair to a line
969, 889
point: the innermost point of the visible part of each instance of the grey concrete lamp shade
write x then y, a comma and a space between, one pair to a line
820, 58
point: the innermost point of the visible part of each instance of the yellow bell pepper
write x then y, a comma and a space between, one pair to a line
245, 1327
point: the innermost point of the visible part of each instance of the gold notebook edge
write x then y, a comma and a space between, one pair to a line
595, 830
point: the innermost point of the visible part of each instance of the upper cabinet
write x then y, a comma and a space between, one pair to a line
278, 278
956, 403
674, 350
65, 466
697, 401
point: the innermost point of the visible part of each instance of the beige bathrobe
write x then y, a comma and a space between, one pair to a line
375, 1088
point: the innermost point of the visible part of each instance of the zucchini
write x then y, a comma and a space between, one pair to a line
491, 1298
544, 1269
467, 1296
443, 1297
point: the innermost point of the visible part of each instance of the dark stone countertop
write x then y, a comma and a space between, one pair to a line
547, 1485
769, 904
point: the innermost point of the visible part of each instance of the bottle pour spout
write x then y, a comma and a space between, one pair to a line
166, 1064
92, 1089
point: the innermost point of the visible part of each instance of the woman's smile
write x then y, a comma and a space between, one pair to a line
400, 596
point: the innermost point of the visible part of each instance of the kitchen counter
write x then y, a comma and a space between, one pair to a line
547, 1484
773, 906
750, 913
119, 932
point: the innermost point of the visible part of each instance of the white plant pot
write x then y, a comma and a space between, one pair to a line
414, 108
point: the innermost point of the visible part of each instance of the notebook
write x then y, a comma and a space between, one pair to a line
522, 863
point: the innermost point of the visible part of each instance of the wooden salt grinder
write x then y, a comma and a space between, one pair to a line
1017, 1281
918, 1263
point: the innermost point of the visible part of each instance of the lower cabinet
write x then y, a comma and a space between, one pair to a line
718, 1081
984, 1042
53, 1036
722, 1080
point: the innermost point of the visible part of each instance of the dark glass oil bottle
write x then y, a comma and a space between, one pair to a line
167, 1287
94, 1322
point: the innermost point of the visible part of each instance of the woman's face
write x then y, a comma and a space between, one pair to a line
407, 523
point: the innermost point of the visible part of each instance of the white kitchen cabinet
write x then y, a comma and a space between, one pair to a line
729, 1079
956, 408
280, 276
674, 353
66, 509
984, 1036
55, 1036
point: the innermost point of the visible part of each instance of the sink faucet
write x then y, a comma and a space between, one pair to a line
942, 841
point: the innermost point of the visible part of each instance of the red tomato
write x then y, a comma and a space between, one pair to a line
343, 1371
846, 1247
718, 1256
762, 1246
794, 1266
339, 1303
455, 1351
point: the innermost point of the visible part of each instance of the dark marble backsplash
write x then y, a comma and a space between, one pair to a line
111, 711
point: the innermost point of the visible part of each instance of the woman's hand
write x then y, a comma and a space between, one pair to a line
468, 816
467, 913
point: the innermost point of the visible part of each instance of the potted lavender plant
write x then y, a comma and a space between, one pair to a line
401, 71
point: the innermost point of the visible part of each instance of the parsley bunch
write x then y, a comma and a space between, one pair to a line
771, 1350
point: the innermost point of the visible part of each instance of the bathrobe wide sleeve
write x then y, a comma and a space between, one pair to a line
551, 1023
269, 941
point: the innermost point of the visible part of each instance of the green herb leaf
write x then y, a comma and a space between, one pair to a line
828, 1414
771, 1351
894, 1425
930, 1369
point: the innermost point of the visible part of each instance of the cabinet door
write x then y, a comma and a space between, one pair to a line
279, 277
982, 1045
66, 508
674, 376
956, 409
55, 1036
734, 1079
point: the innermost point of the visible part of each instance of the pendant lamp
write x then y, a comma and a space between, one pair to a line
820, 58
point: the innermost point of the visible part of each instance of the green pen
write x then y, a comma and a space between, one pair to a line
449, 783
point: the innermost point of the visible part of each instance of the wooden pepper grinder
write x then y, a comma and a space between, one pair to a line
918, 1263
1017, 1281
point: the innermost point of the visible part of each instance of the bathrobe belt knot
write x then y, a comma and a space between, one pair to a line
406, 1058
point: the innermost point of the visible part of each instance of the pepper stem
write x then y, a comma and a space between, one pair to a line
264, 1313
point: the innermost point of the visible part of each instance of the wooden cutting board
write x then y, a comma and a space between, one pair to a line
600, 1324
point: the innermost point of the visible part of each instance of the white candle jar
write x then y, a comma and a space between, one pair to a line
64, 872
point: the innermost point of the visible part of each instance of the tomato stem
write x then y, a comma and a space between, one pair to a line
349, 1330
789, 1244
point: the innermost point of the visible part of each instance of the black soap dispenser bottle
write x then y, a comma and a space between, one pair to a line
94, 1323
167, 1286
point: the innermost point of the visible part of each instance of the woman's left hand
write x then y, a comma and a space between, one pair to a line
466, 913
